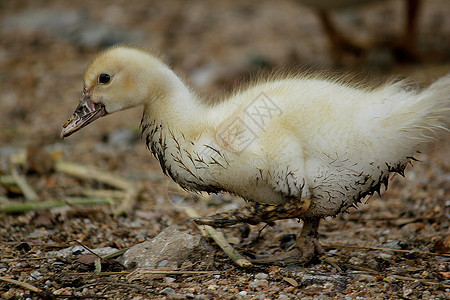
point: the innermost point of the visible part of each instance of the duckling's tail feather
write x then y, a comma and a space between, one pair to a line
420, 117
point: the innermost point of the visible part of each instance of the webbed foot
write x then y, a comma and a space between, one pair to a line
306, 248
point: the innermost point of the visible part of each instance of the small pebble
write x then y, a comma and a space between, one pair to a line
261, 276
356, 261
162, 263
385, 255
258, 283
167, 290
76, 250
169, 279
176, 296
283, 296
396, 244
35, 275
367, 278
289, 289
407, 292
242, 293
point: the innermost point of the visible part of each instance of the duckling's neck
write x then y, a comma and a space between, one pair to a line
170, 101
174, 126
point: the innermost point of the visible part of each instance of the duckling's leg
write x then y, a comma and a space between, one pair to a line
256, 213
306, 247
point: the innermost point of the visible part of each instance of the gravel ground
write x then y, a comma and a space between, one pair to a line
396, 246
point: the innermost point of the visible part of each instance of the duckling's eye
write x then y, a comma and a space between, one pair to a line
104, 78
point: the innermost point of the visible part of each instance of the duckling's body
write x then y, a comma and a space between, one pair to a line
300, 147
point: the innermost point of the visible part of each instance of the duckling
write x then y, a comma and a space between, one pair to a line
303, 147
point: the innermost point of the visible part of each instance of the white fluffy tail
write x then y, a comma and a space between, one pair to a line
417, 118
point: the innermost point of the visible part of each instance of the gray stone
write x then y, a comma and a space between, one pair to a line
167, 290
170, 249
396, 244
169, 279
261, 276
35, 275
258, 283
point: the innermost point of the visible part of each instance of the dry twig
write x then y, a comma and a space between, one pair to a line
386, 249
22, 183
103, 193
128, 201
99, 274
7, 180
21, 284
94, 174
217, 236
10, 208
130, 188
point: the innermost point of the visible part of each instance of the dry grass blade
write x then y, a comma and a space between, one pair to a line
103, 193
217, 236
167, 272
99, 274
115, 254
7, 180
386, 249
420, 280
128, 201
399, 277
10, 208
94, 174
21, 284
130, 188
26, 189
175, 272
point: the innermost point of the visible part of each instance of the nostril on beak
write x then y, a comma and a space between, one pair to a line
67, 123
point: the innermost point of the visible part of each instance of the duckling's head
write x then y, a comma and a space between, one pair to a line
116, 79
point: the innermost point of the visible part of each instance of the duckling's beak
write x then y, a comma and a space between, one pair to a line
85, 113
